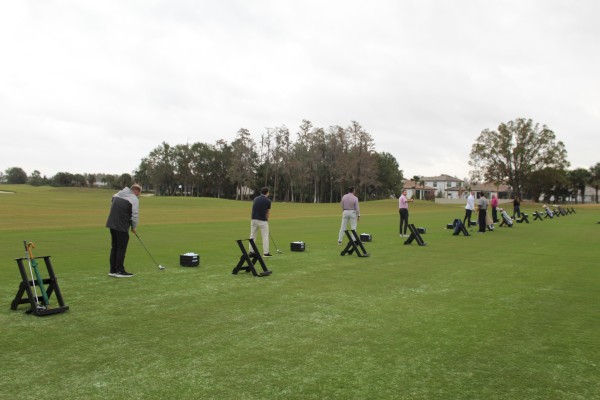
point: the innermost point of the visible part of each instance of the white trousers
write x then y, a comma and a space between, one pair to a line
347, 216
255, 225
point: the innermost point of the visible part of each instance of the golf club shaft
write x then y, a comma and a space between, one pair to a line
275, 244
37, 302
142, 243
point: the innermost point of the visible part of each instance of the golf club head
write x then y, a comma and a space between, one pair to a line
161, 267
278, 251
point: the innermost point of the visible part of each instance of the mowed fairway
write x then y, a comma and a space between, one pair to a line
510, 314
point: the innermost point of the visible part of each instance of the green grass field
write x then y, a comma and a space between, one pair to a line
511, 314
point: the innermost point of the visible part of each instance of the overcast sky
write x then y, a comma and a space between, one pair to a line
94, 86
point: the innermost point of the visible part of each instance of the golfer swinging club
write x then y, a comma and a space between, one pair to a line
351, 212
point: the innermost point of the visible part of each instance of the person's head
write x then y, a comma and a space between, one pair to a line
136, 189
404, 192
493, 196
351, 189
264, 191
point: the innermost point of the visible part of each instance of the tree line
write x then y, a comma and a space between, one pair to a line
17, 175
313, 165
317, 165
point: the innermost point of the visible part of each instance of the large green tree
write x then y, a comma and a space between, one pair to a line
514, 151
389, 176
242, 169
16, 175
545, 182
36, 179
362, 158
159, 168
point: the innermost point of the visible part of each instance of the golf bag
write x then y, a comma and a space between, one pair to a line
457, 225
507, 220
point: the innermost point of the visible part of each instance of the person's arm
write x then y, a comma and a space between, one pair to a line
135, 211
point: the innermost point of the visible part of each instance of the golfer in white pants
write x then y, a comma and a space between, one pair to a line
261, 207
351, 212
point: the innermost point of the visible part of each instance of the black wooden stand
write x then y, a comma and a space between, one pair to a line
36, 303
414, 235
354, 245
248, 260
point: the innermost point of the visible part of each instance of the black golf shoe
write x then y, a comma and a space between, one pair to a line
123, 274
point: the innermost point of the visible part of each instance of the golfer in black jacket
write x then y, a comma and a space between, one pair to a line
123, 216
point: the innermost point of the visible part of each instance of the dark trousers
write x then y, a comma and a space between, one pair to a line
482, 215
467, 218
494, 214
118, 248
517, 212
403, 220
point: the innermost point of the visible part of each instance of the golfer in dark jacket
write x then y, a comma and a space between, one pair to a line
123, 216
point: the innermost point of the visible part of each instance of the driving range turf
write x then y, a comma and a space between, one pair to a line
509, 314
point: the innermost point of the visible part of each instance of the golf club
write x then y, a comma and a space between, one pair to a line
155, 263
36, 298
276, 248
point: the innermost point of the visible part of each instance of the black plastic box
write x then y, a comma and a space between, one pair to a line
189, 260
297, 246
366, 237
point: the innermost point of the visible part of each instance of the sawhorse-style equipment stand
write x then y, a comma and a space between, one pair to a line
524, 218
37, 303
354, 245
537, 215
249, 260
414, 235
